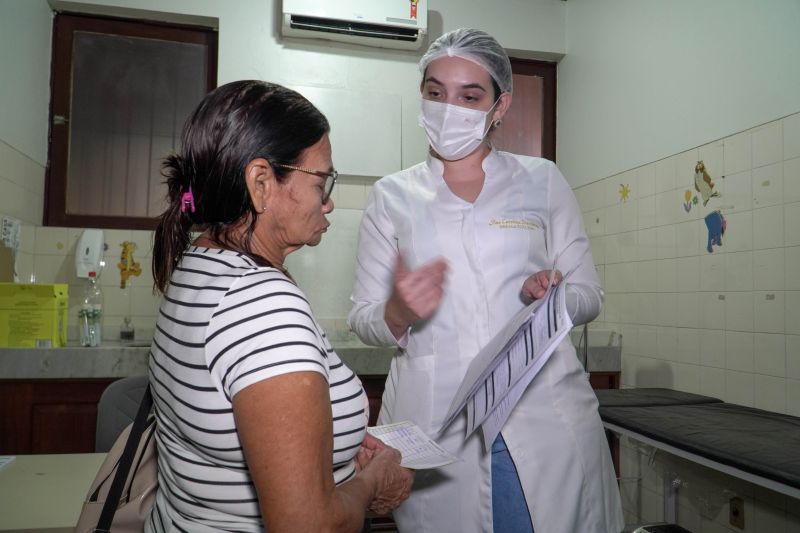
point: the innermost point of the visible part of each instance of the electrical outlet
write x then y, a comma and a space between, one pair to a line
736, 516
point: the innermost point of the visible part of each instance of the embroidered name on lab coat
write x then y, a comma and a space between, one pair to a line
518, 223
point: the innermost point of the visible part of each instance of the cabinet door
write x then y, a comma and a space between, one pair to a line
49, 415
604, 380
373, 386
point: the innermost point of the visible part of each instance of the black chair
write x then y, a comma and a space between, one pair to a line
117, 409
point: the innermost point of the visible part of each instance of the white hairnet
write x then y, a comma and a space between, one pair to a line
476, 46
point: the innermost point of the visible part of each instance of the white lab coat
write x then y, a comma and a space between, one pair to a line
524, 217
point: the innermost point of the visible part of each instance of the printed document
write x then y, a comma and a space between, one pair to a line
418, 450
503, 369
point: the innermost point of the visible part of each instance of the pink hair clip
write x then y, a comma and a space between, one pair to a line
187, 200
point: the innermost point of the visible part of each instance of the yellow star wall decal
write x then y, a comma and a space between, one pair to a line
624, 192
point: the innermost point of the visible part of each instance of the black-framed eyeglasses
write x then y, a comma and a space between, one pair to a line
330, 178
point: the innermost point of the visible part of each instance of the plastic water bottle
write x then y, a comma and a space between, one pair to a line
90, 316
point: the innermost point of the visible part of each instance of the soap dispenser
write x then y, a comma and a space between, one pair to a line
89, 253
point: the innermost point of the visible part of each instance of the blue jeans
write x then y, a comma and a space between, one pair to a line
509, 508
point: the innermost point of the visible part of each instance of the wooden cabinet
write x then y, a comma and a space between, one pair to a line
60, 415
373, 386
49, 415
604, 380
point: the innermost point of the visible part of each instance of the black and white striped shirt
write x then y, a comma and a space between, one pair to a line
226, 323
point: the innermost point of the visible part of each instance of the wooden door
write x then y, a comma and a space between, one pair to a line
529, 127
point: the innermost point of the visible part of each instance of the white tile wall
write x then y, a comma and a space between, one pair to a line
712, 348
687, 271
47, 255
22, 183
739, 311
770, 394
712, 156
737, 308
793, 356
739, 271
768, 229
665, 174
739, 233
791, 180
724, 324
791, 136
646, 179
737, 153
793, 397
792, 223
768, 185
792, 312
792, 273
736, 191
769, 310
768, 144
768, 269
688, 304
740, 387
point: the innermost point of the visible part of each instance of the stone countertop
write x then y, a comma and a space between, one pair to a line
114, 360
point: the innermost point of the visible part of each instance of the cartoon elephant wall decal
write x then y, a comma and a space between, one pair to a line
716, 225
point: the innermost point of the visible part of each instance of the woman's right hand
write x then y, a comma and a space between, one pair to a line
392, 481
416, 294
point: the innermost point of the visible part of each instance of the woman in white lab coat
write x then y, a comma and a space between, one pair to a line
449, 250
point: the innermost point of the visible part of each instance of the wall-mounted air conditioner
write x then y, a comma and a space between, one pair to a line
385, 23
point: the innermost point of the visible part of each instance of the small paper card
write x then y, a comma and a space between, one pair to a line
418, 450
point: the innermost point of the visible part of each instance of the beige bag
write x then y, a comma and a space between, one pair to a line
134, 454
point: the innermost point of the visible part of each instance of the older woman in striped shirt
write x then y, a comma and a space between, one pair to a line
259, 423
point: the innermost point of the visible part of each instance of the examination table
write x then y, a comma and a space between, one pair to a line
758, 446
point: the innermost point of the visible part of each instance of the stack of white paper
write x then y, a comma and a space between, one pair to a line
502, 370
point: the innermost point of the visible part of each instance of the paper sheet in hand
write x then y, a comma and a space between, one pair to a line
502, 370
418, 450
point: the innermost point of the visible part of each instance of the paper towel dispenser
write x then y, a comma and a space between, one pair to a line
89, 253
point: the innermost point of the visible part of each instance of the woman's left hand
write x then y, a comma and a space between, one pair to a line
366, 452
536, 285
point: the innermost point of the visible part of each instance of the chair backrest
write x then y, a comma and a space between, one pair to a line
117, 409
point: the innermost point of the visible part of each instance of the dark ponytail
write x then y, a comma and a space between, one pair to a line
172, 235
233, 125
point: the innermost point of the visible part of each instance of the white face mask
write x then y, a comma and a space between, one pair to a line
454, 132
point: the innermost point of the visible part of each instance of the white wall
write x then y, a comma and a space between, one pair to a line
366, 90
644, 79
724, 323
25, 29
529, 28
250, 46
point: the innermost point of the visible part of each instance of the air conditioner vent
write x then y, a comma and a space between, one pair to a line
354, 28
399, 24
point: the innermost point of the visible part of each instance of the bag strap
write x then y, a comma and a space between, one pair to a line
125, 462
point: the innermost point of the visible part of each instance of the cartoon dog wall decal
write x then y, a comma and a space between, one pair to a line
703, 183
716, 225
